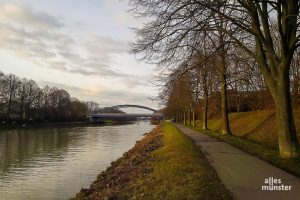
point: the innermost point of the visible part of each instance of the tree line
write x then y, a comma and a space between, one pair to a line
23, 100
224, 52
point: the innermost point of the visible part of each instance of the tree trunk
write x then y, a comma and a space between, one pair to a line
9, 104
22, 107
287, 138
193, 116
225, 118
237, 99
279, 86
189, 117
184, 120
295, 90
205, 108
222, 71
181, 118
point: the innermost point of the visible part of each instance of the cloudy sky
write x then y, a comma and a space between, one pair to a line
77, 45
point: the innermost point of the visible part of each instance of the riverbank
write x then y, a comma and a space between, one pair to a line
165, 164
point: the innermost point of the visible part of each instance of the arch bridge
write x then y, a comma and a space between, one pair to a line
134, 106
156, 115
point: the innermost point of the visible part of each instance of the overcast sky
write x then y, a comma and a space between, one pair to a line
77, 45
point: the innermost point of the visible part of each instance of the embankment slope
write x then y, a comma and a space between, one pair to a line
165, 164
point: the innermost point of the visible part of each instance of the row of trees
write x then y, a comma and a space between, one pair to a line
209, 48
187, 94
23, 100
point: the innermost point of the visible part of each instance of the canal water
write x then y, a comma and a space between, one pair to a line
54, 163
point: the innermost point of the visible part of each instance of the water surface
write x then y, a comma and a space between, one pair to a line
54, 163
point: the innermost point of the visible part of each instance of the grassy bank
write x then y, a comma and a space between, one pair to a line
255, 133
258, 126
180, 171
174, 168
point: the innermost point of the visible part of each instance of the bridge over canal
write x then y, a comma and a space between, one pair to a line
156, 115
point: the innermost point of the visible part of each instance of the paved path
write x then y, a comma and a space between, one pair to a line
241, 173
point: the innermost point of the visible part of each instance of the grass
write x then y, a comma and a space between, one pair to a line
257, 126
180, 171
264, 152
165, 164
244, 122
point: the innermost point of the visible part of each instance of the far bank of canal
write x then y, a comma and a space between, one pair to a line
54, 163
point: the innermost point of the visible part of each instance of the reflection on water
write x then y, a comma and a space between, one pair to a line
54, 163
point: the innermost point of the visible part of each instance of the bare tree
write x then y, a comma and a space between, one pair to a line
22, 100
295, 78
255, 18
174, 34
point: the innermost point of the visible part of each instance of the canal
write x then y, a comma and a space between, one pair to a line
54, 163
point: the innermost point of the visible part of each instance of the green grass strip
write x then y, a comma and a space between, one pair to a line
180, 171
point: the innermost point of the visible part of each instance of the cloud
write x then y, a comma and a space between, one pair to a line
49, 42
19, 16
101, 44
62, 46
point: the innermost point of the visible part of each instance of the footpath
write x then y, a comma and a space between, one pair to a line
246, 176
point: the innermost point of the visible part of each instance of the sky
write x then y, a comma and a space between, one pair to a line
81, 46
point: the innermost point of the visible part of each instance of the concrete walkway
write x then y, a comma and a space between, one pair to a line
241, 173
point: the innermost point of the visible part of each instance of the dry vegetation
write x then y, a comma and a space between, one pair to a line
232, 53
164, 165
258, 126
